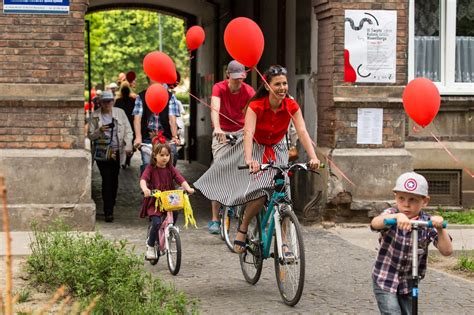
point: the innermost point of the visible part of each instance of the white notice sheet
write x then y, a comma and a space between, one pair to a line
369, 125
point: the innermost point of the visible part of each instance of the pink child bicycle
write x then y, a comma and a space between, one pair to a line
168, 242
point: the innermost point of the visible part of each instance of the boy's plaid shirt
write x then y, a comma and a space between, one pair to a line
392, 269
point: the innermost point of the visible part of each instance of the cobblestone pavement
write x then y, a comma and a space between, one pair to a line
337, 272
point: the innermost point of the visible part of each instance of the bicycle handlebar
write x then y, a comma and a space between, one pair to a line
281, 167
428, 224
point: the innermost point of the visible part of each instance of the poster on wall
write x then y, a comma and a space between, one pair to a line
369, 125
36, 6
370, 46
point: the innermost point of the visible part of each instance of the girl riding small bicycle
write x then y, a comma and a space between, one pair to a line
161, 175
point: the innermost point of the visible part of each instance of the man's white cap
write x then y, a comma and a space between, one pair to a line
412, 183
113, 85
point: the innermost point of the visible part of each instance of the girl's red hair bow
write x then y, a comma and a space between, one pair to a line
160, 138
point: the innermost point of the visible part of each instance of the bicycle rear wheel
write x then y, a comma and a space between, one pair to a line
290, 266
230, 224
251, 261
174, 251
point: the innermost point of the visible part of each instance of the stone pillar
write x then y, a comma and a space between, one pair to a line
371, 169
47, 169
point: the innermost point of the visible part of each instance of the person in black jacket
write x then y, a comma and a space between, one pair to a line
127, 103
147, 124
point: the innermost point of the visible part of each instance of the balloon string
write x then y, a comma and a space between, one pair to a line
314, 144
455, 159
190, 54
222, 115
328, 159
445, 148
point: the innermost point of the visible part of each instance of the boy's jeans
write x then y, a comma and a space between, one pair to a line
390, 303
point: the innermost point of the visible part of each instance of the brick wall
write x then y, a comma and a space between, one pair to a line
338, 100
42, 79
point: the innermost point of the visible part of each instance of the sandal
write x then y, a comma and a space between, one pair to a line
240, 247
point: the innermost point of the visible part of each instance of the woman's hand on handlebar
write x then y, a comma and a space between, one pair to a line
314, 163
253, 165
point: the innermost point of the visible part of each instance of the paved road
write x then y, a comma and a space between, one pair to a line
337, 273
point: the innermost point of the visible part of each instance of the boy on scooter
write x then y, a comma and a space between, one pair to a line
392, 272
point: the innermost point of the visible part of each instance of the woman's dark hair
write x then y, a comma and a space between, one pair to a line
124, 90
157, 147
271, 72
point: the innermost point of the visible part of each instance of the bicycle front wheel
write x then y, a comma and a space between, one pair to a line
230, 224
251, 261
174, 251
290, 265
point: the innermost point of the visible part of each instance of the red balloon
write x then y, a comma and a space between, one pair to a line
421, 101
195, 37
159, 67
244, 41
156, 98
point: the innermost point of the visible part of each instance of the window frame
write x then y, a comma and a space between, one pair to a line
447, 84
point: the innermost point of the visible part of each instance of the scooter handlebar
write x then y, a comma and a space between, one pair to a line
429, 224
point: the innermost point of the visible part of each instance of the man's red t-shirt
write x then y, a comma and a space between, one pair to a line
232, 105
272, 126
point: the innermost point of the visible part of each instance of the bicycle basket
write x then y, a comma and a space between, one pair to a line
172, 200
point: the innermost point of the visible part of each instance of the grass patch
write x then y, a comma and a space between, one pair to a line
466, 263
91, 266
456, 217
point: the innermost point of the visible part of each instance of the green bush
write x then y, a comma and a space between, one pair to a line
91, 266
457, 217
466, 263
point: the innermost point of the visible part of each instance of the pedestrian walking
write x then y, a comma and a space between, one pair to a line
111, 136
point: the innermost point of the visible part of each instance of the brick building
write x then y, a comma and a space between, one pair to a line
48, 169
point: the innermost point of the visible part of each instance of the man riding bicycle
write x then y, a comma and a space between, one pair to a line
229, 98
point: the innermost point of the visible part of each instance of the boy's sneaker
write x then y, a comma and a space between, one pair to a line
214, 227
150, 253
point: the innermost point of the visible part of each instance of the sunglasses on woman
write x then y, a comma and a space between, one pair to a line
277, 70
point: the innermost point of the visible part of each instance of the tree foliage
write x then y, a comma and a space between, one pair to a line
120, 39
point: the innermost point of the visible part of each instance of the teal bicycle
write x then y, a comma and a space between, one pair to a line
277, 221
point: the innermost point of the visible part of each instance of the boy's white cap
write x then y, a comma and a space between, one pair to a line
412, 183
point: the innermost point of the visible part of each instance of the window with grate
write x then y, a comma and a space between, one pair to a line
444, 186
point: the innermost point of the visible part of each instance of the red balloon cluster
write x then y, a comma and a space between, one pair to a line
159, 67
244, 41
421, 101
195, 37
156, 97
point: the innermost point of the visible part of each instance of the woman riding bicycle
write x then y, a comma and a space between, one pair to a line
267, 118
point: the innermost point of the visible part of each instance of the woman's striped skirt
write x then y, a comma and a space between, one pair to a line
225, 183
